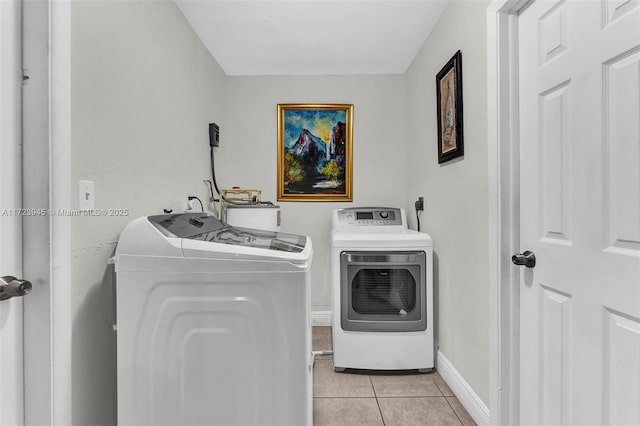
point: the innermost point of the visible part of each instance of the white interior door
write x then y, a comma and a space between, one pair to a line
11, 345
580, 212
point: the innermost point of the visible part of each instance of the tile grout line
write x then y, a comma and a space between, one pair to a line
377, 402
439, 389
384, 397
339, 397
413, 397
454, 410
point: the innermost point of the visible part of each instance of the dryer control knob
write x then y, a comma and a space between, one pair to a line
384, 215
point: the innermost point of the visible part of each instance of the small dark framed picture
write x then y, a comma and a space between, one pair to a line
449, 98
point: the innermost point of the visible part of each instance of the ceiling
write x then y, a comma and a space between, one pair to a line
312, 37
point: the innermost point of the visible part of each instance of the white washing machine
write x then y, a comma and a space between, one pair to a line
213, 324
382, 299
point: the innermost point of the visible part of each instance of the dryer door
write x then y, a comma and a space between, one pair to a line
383, 291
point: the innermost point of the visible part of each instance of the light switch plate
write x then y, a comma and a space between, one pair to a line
86, 195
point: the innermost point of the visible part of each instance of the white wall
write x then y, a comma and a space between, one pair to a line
248, 149
455, 192
143, 92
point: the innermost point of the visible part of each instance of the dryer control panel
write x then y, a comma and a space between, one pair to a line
370, 216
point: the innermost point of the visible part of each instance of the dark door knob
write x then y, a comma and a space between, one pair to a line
527, 259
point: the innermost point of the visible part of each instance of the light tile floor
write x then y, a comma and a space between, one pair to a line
374, 398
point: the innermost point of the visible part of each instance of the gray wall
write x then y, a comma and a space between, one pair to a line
143, 90
455, 192
247, 153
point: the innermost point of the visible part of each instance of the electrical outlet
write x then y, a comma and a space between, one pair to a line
214, 134
420, 204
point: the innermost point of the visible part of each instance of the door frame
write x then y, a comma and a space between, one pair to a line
47, 155
11, 344
60, 196
504, 209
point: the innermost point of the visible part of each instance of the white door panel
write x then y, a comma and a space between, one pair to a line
11, 368
580, 212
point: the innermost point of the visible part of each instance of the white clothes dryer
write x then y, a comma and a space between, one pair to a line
213, 324
382, 301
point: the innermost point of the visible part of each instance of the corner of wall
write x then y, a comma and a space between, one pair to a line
456, 192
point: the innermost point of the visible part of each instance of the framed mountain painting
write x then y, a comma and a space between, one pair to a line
315, 152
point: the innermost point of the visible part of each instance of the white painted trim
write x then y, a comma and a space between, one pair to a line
36, 194
60, 193
504, 227
12, 367
322, 318
465, 394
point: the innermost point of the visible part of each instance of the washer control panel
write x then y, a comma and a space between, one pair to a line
370, 216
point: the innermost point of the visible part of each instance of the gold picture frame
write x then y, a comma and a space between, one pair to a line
315, 152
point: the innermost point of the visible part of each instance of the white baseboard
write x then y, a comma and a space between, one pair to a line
321, 318
467, 397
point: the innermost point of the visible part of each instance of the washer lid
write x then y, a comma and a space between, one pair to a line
202, 227
280, 241
186, 225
